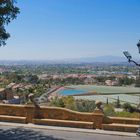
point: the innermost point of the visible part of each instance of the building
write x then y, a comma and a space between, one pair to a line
6, 94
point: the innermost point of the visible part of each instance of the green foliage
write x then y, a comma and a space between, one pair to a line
8, 12
127, 114
70, 103
137, 82
14, 77
107, 101
126, 81
101, 79
126, 106
32, 78
58, 102
109, 110
117, 103
85, 105
38, 89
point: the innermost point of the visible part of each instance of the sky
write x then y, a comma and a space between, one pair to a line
60, 29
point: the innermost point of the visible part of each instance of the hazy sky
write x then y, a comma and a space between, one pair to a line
55, 29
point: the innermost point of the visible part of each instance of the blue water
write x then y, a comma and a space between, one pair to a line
71, 91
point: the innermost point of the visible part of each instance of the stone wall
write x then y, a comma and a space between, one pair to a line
121, 124
55, 113
122, 120
13, 110
66, 117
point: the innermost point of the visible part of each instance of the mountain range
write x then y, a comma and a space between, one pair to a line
104, 59
101, 59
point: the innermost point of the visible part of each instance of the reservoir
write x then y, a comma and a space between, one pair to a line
72, 91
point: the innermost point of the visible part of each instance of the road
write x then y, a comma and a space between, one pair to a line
22, 133
44, 96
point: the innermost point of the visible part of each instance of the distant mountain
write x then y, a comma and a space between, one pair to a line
104, 59
101, 59
109, 59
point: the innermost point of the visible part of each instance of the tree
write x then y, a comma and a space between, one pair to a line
117, 103
107, 101
137, 84
8, 12
127, 106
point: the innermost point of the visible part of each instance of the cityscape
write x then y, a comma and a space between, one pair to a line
108, 82
69, 70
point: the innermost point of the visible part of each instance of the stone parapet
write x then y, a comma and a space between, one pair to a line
65, 117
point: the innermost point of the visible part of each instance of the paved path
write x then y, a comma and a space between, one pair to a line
14, 131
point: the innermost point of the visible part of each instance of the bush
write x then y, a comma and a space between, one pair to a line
57, 102
85, 105
109, 110
70, 103
126, 106
127, 114
129, 108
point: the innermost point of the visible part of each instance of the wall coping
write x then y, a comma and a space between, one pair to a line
124, 118
57, 108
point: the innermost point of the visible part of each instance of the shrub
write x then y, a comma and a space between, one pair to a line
127, 114
109, 110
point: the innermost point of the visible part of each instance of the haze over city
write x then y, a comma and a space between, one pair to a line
53, 29
69, 69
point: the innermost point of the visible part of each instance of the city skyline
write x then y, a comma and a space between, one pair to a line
53, 29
